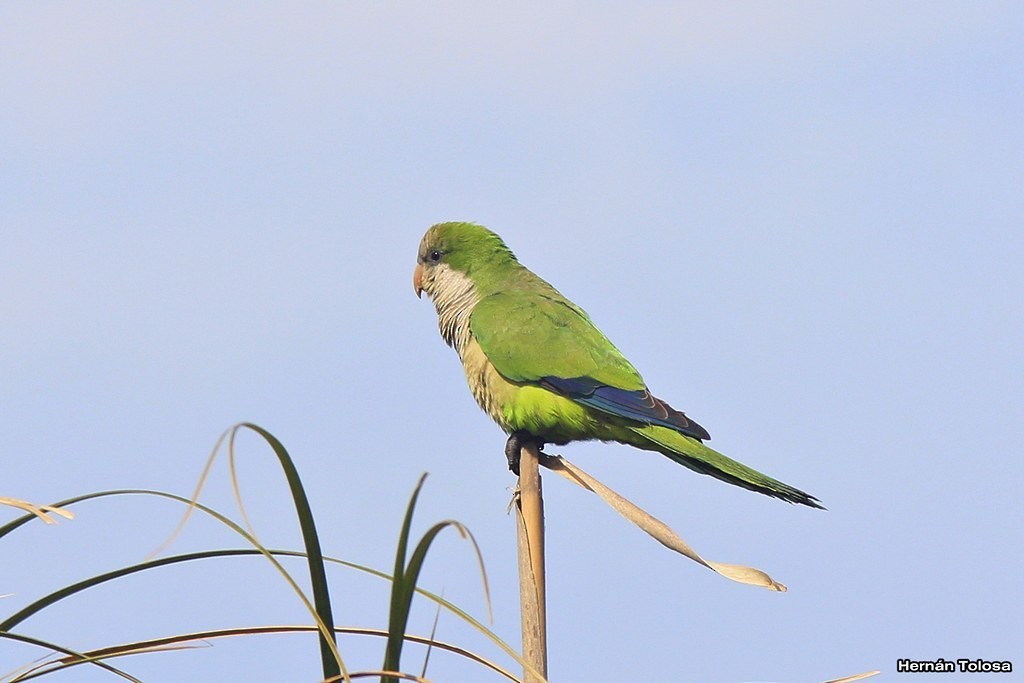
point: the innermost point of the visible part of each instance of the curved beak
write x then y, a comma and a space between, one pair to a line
417, 280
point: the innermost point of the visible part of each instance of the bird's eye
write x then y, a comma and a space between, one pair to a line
435, 256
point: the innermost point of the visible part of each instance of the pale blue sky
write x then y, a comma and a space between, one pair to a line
802, 222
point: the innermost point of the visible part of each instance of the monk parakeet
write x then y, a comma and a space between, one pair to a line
541, 369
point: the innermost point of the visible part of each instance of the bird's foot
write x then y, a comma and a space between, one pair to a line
514, 448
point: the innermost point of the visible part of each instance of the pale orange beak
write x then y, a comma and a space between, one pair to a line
417, 280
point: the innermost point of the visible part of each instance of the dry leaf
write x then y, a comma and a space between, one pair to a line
41, 511
655, 527
858, 677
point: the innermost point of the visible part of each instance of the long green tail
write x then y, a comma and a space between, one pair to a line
692, 453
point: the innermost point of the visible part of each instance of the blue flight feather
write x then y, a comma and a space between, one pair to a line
640, 405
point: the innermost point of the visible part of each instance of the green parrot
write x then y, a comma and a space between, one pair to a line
541, 369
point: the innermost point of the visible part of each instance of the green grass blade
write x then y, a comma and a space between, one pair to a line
406, 577
25, 519
412, 571
236, 552
314, 554
234, 527
398, 613
402, 593
403, 537
61, 593
460, 613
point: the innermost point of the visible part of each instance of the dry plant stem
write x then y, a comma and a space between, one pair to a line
530, 533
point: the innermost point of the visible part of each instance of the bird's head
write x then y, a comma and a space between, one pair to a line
457, 252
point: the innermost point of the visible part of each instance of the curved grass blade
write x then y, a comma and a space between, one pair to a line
390, 676
403, 590
84, 658
235, 552
203, 476
433, 633
62, 593
314, 554
170, 643
406, 576
450, 606
46, 668
455, 609
311, 540
398, 613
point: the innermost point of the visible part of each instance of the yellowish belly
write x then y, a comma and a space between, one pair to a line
516, 406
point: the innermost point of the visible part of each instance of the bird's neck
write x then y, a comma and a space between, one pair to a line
454, 297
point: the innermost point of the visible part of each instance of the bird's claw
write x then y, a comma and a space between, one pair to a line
514, 448
513, 451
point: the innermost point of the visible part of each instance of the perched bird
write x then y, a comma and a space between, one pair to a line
541, 369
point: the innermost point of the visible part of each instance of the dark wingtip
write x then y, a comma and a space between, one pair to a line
677, 418
699, 432
798, 497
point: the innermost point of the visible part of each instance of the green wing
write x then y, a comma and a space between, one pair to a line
530, 336
540, 337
